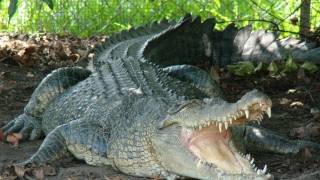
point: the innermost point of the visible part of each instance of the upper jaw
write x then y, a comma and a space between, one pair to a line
251, 107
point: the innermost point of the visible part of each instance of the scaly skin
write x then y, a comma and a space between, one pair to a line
148, 121
193, 42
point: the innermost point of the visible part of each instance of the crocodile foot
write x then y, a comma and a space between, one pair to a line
32, 171
25, 125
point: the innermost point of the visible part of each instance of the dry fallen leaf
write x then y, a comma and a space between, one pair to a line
311, 130
314, 129
14, 138
299, 132
113, 178
49, 170
214, 72
1, 135
38, 173
74, 57
305, 153
30, 75
29, 50
296, 104
19, 170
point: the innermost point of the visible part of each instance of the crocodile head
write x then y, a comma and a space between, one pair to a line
195, 139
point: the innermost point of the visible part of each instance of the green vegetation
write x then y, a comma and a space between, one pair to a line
245, 68
89, 17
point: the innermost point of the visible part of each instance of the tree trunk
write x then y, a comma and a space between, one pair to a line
305, 19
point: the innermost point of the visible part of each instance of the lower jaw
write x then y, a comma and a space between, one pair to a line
212, 148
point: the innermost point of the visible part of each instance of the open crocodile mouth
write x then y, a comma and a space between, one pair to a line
211, 142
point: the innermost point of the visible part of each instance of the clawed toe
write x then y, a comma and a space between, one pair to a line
24, 127
33, 171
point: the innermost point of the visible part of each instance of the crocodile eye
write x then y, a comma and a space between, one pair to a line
184, 105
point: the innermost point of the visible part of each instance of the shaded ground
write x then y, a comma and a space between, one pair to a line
22, 66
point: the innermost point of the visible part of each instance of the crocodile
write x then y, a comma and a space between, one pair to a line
149, 118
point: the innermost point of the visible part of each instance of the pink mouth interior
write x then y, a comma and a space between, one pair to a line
211, 146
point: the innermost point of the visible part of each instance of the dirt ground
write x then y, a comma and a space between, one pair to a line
23, 66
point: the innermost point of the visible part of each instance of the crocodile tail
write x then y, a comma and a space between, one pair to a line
223, 47
112, 45
185, 43
233, 45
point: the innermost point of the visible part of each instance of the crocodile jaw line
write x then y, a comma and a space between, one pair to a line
212, 145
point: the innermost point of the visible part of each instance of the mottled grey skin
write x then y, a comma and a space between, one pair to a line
149, 121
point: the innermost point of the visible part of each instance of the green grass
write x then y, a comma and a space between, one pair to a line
94, 17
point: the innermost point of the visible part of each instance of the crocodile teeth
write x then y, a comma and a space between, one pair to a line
248, 156
220, 127
259, 118
200, 127
252, 161
264, 169
259, 172
269, 112
199, 163
230, 120
226, 125
247, 113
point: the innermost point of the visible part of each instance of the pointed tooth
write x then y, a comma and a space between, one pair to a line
220, 127
230, 120
199, 163
247, 113
234, 117
259, 118
226, 125
252, 161
248, 156
264, 169
200, 127
256, 169
259, 172
269, 112
260, 104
